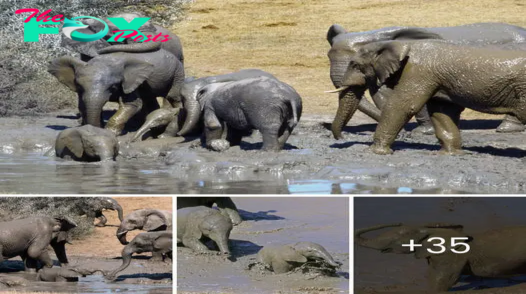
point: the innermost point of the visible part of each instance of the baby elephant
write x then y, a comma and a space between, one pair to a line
59, 274
225, 205
197, 224
284, 258
263, 103
87, 143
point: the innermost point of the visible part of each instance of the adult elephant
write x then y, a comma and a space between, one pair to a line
145, 219
133, 76
89, 50
29, 238
344, 46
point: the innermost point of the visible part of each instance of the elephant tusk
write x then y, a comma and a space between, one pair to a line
340, 89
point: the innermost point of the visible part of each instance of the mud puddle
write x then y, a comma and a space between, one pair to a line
376, 272
272, 220
313, 163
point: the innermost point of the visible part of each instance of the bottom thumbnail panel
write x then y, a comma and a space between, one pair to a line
86, 244
262, 245
434, 245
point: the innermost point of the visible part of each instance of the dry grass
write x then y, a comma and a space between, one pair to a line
287, 37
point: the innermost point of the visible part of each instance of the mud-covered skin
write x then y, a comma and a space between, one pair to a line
482, 79
284, 258
191, 88
515, 289
132, 77
60, 274
496, 253
195, 224
29, 238
8, 281
225, 204
87, 143
265, 104
343, 45
157, 118
158, 243
146, 220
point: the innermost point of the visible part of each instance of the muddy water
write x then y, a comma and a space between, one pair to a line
389, 272
271, 220
312, 163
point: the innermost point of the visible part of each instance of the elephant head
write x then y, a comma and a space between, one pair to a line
344, 46
142, 219
392, 241
99, 80
310, 250
60, 227
87, 143
100, 203
217, 227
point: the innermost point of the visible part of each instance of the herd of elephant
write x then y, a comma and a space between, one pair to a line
198, 223
433, 73
30, 237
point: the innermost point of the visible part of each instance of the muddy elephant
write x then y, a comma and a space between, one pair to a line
87, 143
92, 207
60, 274
284, 258
29, 238
265, 104
344, 45
225, 205
483, 79
159, 243
491, 254
89, 50
133, 77
146, 220
198, 224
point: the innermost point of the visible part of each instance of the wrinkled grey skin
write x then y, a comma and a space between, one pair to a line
284, 258
95, 206
483, 79
60, 274
225, 205
198, 224
89, 50
134, 78
157, 118
343, 47
87, 143
29, 238
497, 253
191, 88
146, 220
266, 104
159, 243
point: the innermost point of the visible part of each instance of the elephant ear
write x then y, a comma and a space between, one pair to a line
61, 226
135, 73
153, 222
70, 140
334, 31
63, 68
386, 57
288, 254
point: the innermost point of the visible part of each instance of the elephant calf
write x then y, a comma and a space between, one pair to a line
69, 274
284, 258
266, 104
225, 205
87, 143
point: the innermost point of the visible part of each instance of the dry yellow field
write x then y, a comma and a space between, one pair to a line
287, 37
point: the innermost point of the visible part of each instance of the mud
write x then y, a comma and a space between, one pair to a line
313, 162
375, 272
142, 277
272, 220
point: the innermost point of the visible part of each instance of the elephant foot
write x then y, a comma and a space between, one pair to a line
380, 150
219, 145
452, 151
100, 225
510, 127
424, 129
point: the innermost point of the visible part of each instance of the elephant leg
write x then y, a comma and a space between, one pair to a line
149, 105
157, 256
40, 253
129, 105
196, 245
102, 219
446, 118
233, 136
444, 274
425, 126
213, 131
510, 124
270, 140
368, 108
30, 264
284, 136
379, 97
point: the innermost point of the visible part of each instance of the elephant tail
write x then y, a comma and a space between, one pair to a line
295, 115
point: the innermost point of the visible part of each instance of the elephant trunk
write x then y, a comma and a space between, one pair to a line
116, 206
121, 235
371, 243
126, 260
349, 99
222, 243
193, 114
93, 104
132, 48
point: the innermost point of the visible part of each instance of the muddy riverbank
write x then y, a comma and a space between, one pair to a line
276, 221
313, 162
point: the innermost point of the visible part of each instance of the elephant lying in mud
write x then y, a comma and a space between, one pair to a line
87, 143
225, 205
159, 243
496, 253
196, 225
344, 46
29, 238
284, 258
482, 79
133, 75
146, 220
60, 274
